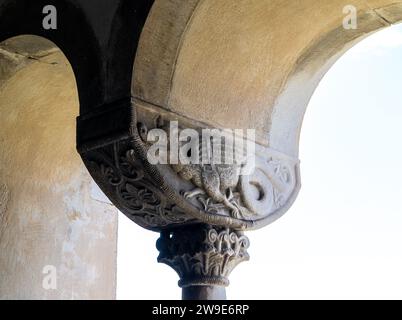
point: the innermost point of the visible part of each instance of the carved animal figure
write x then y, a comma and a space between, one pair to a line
216, 181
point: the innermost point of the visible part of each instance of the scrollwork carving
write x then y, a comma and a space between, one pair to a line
122, 177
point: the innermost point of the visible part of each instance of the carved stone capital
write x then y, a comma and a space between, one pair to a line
203, 255
161, 196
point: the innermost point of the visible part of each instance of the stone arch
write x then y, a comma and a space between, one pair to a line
247, 64
50, 210
74, 36
312, 64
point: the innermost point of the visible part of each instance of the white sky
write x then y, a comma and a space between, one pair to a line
342, 238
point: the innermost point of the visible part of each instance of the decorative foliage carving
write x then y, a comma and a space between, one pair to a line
122, 177
202, 254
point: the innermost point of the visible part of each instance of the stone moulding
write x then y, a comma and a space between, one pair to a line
159, 197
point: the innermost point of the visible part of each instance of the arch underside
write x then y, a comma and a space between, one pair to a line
247, 64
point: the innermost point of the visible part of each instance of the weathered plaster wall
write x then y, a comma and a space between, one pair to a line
50, 209
248, 63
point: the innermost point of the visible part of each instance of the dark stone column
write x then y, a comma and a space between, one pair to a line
204, 293
203, 256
